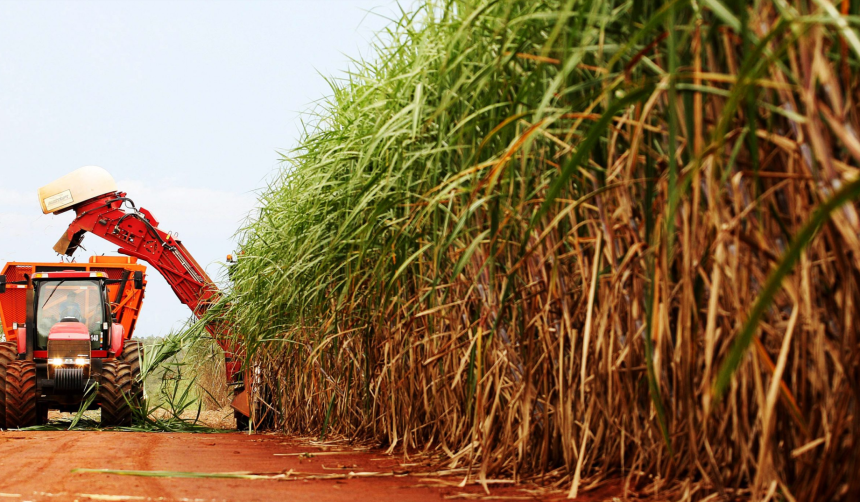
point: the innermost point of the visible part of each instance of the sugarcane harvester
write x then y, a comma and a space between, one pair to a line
101, 209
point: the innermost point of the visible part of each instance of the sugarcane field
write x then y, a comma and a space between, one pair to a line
390, 250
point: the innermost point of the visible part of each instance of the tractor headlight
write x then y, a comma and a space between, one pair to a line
82, 361
57, 361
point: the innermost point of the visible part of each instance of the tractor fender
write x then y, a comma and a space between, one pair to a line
117, 333
22, 340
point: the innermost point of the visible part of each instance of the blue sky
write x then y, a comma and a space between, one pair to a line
186, 103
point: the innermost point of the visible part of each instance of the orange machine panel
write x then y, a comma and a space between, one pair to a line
125, 304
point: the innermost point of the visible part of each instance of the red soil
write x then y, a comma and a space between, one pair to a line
39, 465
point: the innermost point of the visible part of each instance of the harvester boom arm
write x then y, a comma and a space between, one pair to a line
136, 233
115, 218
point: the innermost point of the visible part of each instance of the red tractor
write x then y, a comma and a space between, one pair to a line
70, 338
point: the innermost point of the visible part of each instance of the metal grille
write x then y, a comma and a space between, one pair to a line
112, 273
17, 272
15, 309
69, 379
68, 348
13, 303
14, 300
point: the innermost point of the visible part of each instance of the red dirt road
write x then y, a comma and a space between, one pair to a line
38, 466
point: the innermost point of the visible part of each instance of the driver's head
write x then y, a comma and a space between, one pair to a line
71, 296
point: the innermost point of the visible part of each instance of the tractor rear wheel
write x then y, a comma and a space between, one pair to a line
115, 393
132, 352
8, 353
20, 394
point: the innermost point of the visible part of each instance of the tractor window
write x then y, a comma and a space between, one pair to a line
71, 300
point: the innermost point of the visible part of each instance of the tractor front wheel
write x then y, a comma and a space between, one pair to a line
20, 394
115, 394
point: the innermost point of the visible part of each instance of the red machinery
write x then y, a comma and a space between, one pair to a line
103, 210
67, 326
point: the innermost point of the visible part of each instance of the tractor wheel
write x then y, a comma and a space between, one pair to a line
132, 352
115, 393
8, 353
20, 394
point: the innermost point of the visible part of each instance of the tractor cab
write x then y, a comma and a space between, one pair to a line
72, 309
69, 306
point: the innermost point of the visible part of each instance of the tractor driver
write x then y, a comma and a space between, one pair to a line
71, 308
